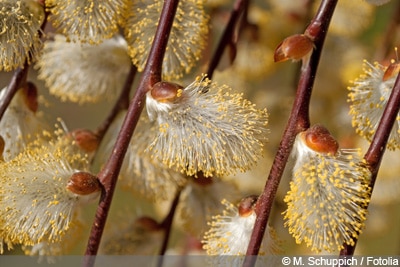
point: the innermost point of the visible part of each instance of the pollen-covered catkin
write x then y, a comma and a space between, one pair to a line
230, 233
20, 23
99, 71
87, 21
186, 41
329, 192
38, 199
206, 128
368, 97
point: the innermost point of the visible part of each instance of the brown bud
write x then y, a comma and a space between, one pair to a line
30, 93
392, 70
148, 223
83, 183
85, 139
247, 205
294, 47
166, 92
319, 139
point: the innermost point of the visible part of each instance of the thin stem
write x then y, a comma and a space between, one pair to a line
109, 174
298, 121
122, 103
17, 81
227, 36
304, 20
387, 44
378, 144
167, 226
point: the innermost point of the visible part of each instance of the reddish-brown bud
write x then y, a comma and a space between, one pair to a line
247, 205
392, 70
319, 139
30, 93
148, 223
85, 139
83, 183
294, 47
166, 92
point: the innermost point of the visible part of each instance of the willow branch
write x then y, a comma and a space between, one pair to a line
122, 103
17, 81
390, 35
304, 20
109, 174
227, 36
167, 226
378, 144
298, 121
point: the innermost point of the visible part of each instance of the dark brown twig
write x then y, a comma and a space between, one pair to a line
122, 103
17, 81
298, 121
167, 226
386, 46
109, 174
227, 36
378, 144
304, 20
